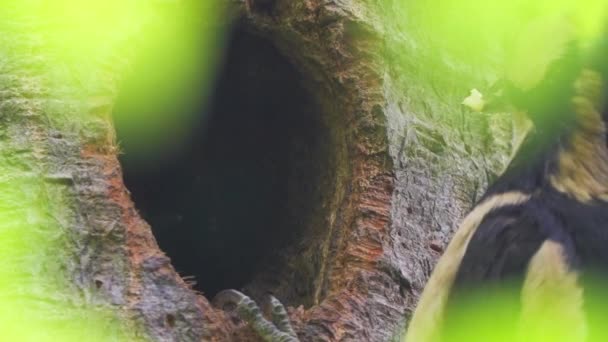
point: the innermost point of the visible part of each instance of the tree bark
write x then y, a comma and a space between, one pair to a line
404, 164
415, 162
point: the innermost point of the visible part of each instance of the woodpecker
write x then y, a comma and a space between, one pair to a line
530, 261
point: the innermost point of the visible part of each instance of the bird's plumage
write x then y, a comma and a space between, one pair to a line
535, 265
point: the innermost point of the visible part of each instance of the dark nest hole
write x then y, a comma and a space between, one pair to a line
255, 178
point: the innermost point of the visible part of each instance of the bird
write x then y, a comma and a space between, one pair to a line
530, 260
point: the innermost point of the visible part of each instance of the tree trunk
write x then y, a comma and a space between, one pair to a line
391, 163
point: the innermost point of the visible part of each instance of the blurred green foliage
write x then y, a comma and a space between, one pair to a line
56, 58
171, 76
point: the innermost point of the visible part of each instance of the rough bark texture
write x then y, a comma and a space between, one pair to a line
415, 162
56, 128
406, 164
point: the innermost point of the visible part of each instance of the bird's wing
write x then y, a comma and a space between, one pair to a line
426, 321
516, 282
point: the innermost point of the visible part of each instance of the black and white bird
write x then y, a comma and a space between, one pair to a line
530, 261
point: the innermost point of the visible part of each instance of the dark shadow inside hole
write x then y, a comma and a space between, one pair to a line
170, 320
224, 206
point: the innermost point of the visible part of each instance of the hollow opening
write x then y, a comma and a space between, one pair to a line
255, 176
